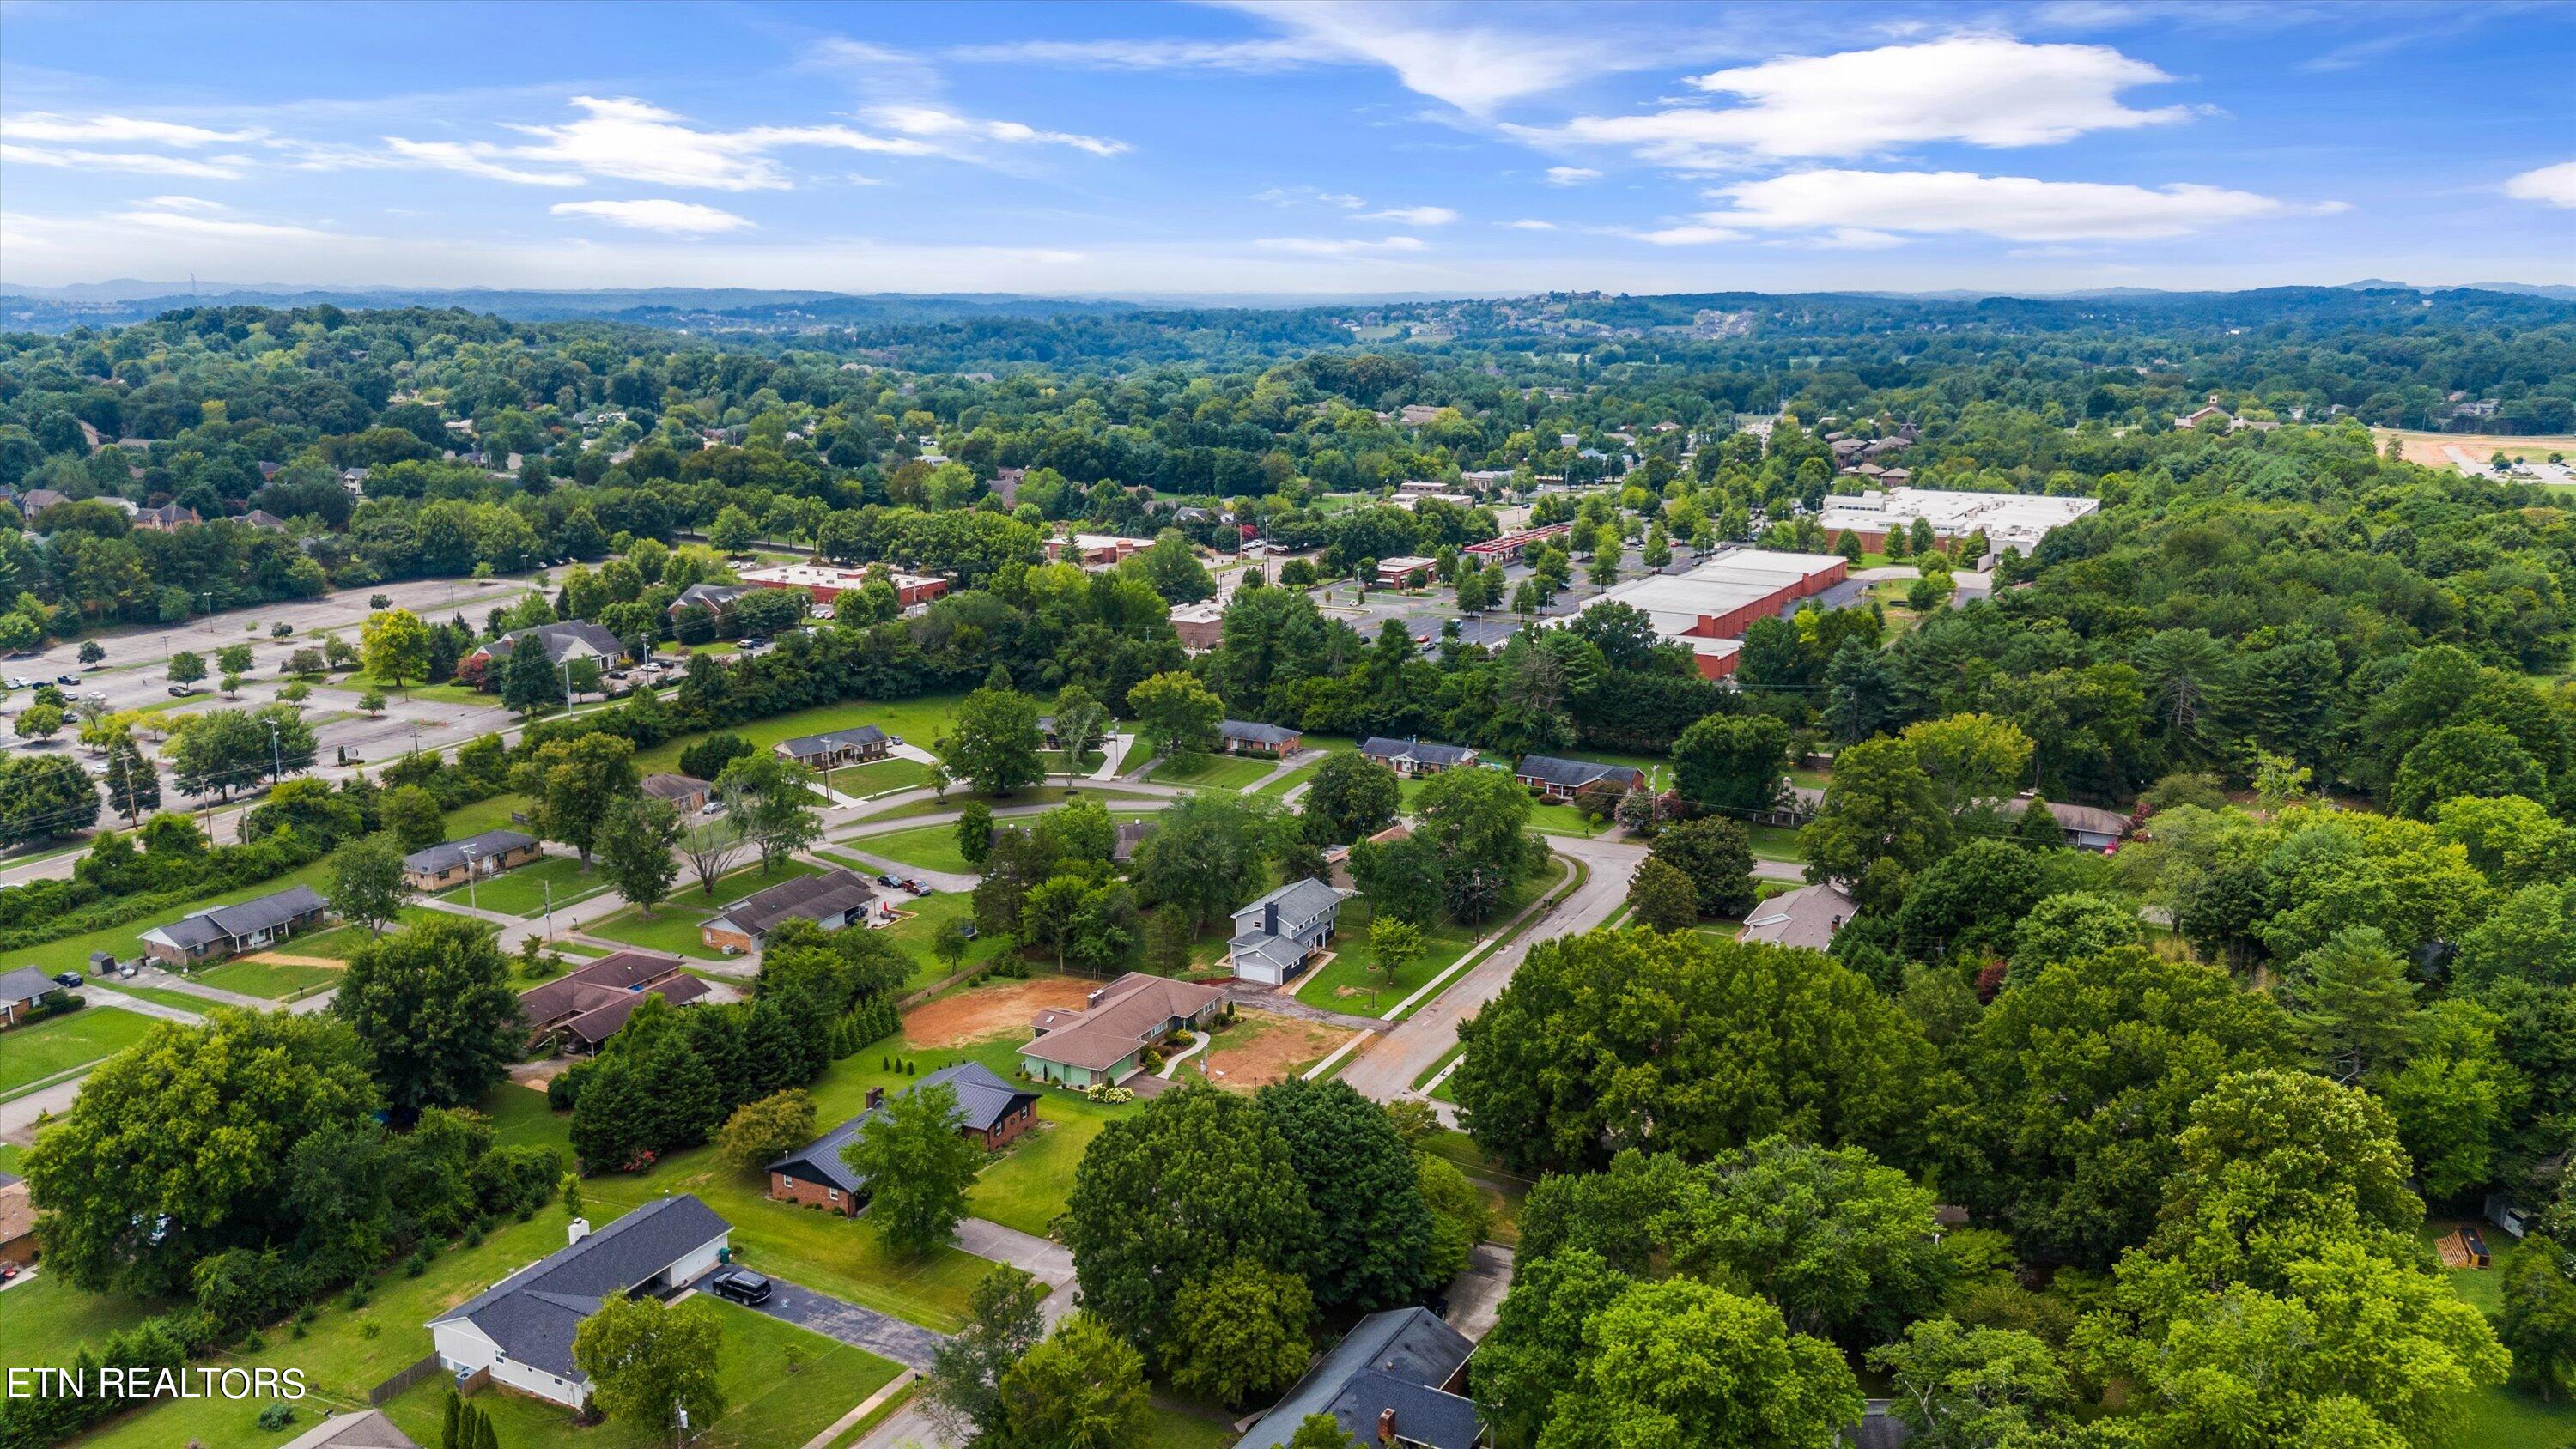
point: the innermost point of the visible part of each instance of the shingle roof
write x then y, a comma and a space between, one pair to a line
625, 971
831, 741
1255, 731
1807, 917
1377, 747
449, 854
532, 1313
230, 922
368, 1430
1128, 1011
1299, 900
983, 1100
558, 640
26, 983
602, 1021
2091, 819
1392, 1360
1573, 774
810, 897
668, 786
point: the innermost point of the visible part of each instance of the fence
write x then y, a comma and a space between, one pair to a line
427, 1368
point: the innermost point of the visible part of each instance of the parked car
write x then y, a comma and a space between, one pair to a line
70, 980
754, 644
740, 1284
182, 691
966, 929
8, 1272
916, 887
887, 880
72, 679
20, 681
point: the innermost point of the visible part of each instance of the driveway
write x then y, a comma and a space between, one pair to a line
885, 1336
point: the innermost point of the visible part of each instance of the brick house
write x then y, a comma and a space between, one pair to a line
990, 1110
452, 862
227, 931
587, 1006
832, 899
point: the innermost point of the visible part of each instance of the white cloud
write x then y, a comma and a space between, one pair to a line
674, 218
1442, 53
1308, 195
1527, 224
140, 163
1857, 239
634, 140
1413, 215
1981, 90
1571, 175
182, 203
933, 121
1266, 54
2555, 185
1317, 246
473, 158
183, 224
46, 126
1690, 236
2014, 208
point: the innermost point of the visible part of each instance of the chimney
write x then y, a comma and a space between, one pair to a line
580, 1229
876, 1098
1386, 1426
1270, 918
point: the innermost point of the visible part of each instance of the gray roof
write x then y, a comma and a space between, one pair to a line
367, 1430
1574, 774
1808, 916
1254, 730
232, 922
983, 1100
714, 596
559, 639
810, 897
668, 786
1377, 747
532, 1313
26, 983
832, 741
1392, 1360
449, 854
2091, 819
1299, 900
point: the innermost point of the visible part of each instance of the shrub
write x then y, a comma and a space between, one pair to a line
276, 1417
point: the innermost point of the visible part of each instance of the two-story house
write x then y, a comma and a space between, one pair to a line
1276, 936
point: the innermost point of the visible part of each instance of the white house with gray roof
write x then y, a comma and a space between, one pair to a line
1278, 935
518, 1333
213, 935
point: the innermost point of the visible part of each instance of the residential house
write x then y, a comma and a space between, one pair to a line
518, 1333
164, 519
1250, 737
1415, 415
1006, 485
264, 521
369, 1429
453, 862
1104, 1043
1394, 1380
1558, 779
1277, 936
833, 899
990, 1110
835, 748
35, 501
586, 1006
1808, 917
563, 643
17, 1221
686, 793
1416, 757
716, 599
2199, 415
1201, 625
1131, 834
2087, 827
22, 991
227, 931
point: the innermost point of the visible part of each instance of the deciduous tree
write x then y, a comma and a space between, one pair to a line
433, 1005
649, 1364
917, 1166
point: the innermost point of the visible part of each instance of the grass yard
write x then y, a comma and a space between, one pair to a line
342, 942
918, 721
49, 1319
1774, 842
1546, 817
71, 953
1351, 981
1303, 773
31, 1054
160, 995
880, 776
931, 847
782, 1385
522, 892
1213, 772
916, 931
1054, 762
1172, 1429
272, 980
2511, 1413
673, 926
361, 682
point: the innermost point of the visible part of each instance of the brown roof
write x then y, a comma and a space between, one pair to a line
1128, 1013
807, 897
600, 1023
17, 1210
588, 988
674, 787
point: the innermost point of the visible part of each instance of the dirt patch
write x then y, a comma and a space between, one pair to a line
2426, 448
1263, 1048
990, 1011
281, 958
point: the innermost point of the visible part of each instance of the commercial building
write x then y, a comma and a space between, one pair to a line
1201, 626
1094, 550
1708, 609
826, 582
1509, 547
2008, 520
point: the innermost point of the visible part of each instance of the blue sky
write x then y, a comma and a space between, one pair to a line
1288, 147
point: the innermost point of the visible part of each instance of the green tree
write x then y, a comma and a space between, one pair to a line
394, 646
1374, 1229
411, 815
1879, 805
994, 741
1196, 1180
1395, 943
231, 659
635, 844
1081, 1389
733, 530
1969, 901
1733, 764
1208, 854
1475, 822
917, 1166
433, 1004
2071, 927
40, 721
529, 681
1081, 723
975, 833
43, 796
1320, 1431
964, 1385
187, 667
133, 784
1686, 1362
1241, 1334
2355, 1003
1661, 897
766, 1129
2464, 759
1175, 714
575, 783
193, 1125
2539, 1320
652, 1367
1960, 1387
1715, 857
367, 886
1349, 797
772, 802
1970, 757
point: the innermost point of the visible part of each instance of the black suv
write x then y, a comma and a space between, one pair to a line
740, 1284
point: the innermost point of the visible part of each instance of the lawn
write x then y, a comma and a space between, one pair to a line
342, 942
272, 980
71, 953
30, 1054
673, 926
49, 1319
361, 682
1172, 1429
1546, 817
883, 775
1774, 842
782, 1384
1053, 761
522, 892
931, 847
1213, 772
916, 931
1302, 773
1351, 981
917, 721
2509, 1414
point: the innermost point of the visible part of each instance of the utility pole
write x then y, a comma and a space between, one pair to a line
472, 902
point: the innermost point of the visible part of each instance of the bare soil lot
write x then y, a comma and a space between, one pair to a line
2426, 448
1263, 1048
990, 1011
